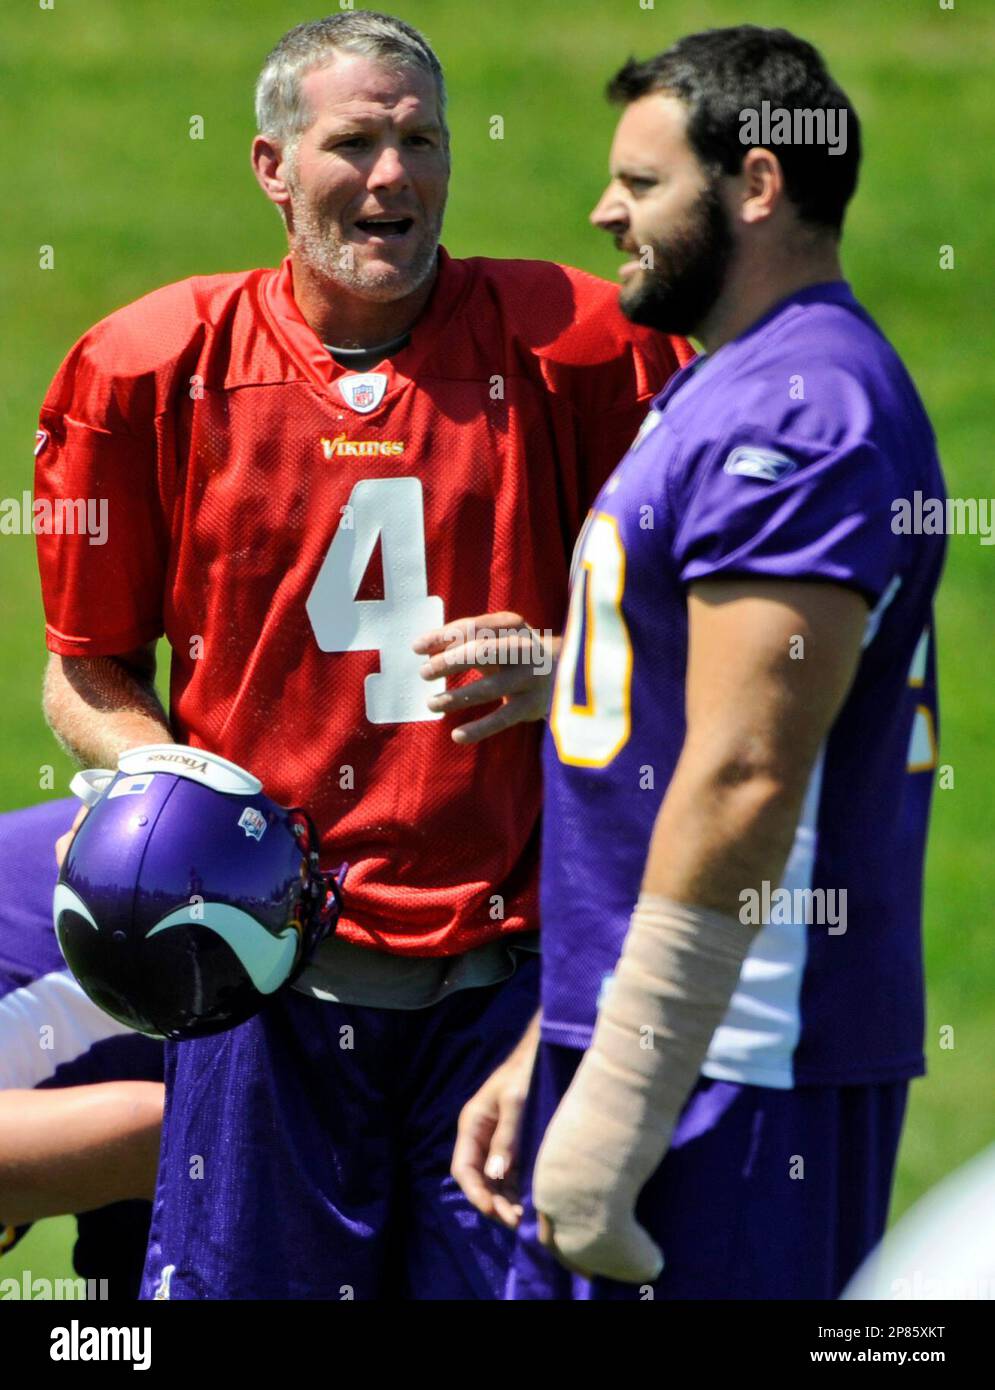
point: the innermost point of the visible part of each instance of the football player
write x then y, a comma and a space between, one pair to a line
738, 764
80, 1095
336, 487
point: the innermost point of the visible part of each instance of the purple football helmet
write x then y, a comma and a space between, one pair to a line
188, 897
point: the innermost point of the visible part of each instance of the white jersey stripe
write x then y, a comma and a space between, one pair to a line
755, 1042
45, 1024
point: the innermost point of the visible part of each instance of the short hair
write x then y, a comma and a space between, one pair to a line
720, 73
281, 112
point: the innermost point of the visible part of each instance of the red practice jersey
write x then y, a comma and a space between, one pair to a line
291, 526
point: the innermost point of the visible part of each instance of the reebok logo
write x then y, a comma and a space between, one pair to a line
764, 464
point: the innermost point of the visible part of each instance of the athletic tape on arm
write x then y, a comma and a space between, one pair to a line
675, 977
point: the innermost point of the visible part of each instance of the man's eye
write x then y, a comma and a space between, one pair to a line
351, 142
418, 140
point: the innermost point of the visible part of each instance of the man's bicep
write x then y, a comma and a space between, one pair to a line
770, 663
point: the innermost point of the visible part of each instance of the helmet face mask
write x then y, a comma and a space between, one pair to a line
188, 897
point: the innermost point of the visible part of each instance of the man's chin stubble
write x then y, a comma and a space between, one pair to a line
642, 306
331, 264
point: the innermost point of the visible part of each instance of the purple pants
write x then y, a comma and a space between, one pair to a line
763, 1194
306, 1153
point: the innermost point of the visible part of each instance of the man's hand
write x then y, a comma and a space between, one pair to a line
517, 664
485, 1158
64, 841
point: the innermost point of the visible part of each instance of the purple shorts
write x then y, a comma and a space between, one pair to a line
763, 1193
306, 1153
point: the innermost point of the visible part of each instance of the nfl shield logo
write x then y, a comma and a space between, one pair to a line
363, 393
252, 823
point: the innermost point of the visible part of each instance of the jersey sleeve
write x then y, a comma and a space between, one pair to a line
100, 530
785, 508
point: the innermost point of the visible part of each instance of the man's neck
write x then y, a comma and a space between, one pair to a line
753, 290
345, 319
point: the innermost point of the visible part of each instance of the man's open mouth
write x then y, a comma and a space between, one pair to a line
385, 228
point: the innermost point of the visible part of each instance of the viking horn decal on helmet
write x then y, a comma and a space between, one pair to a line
267, 958
67, 898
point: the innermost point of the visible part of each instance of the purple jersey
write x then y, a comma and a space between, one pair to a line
780, 456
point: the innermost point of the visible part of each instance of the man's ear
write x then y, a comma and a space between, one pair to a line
761, 181
269, 167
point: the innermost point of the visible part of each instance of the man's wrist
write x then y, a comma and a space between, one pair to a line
524, 1051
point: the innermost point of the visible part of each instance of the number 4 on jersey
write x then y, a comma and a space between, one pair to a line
391, 510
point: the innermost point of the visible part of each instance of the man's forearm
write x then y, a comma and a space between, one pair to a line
98, 707
756, 719
75, 1149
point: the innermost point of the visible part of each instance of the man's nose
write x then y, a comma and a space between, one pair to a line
389, 170
609, 213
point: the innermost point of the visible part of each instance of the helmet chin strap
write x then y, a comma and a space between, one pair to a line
329, 894
325, 887
331, 909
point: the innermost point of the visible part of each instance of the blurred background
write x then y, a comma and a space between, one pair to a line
97, 98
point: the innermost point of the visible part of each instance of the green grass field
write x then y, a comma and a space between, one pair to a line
98, 96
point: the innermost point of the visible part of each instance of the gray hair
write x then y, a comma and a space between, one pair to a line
281, 112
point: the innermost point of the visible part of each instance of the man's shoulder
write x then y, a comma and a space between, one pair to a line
561, 312
825, 373
155, 329
513, 275
836, 344
124, 369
